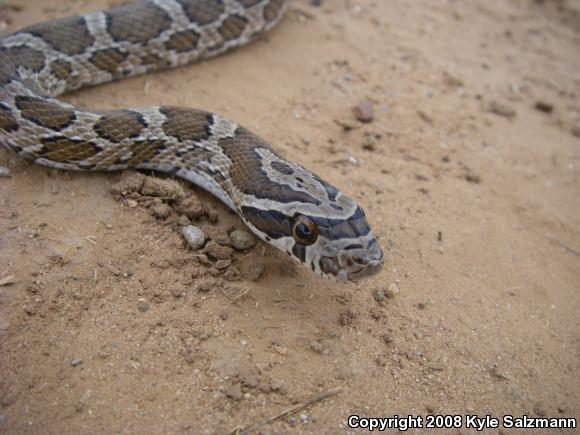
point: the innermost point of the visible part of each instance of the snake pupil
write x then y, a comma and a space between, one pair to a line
302, 231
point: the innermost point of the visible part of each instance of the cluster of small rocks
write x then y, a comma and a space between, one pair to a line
215, 247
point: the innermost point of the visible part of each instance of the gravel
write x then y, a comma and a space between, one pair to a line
142, 305
364, 111
234, 392
161, 211
242, 240
379, 295
501, 109
194, 236
544, 106
392, 291
4, 172
217, 251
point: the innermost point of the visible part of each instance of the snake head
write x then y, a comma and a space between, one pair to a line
343, 249
312, 221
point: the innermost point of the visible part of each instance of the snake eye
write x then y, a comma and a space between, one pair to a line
304, 231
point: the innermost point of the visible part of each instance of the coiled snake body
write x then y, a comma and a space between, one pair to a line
280, 201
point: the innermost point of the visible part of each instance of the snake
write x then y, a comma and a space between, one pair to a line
281, 202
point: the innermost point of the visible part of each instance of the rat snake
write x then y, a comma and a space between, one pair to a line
280, 201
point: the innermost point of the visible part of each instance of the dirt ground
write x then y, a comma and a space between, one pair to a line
469, 174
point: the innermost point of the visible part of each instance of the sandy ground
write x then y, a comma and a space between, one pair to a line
473, 190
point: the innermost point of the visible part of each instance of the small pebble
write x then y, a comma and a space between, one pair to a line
242, 240
232, 274
142, 305
364, 111
131, 203
161, 211
76, 362
177, 292
222, 264
539, 410
576, 130
205, 286
192, 208
501, 109
316, 346
217, 251
183, 221
392, 291
4, 172
369, 144
387, 339
453, 80
544, 106
234, 392
347, 317
202, 259
194, 236
249, 376
379, 295
30, 309
472, 178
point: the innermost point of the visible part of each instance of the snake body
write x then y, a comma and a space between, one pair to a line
281, 202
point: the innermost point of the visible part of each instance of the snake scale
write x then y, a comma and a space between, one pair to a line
280, 201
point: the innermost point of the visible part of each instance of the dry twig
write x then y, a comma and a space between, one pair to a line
288, 412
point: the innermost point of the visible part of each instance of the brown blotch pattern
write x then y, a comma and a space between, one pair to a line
13, 57
61, 69
45, 112
202, 12
186, 124
120, 124
145, 150
249, 3
232, 27
63, 149
273, 9
247, 173
68, 35
183, 41
137, 23
158, 62
7, 120
109, 59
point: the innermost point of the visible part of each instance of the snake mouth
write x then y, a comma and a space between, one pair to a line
371, 268
354, 262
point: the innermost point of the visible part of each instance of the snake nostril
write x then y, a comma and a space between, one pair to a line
360, 258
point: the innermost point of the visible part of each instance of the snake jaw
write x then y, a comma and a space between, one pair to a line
352, 262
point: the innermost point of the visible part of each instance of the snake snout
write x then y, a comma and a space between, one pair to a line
360, 256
